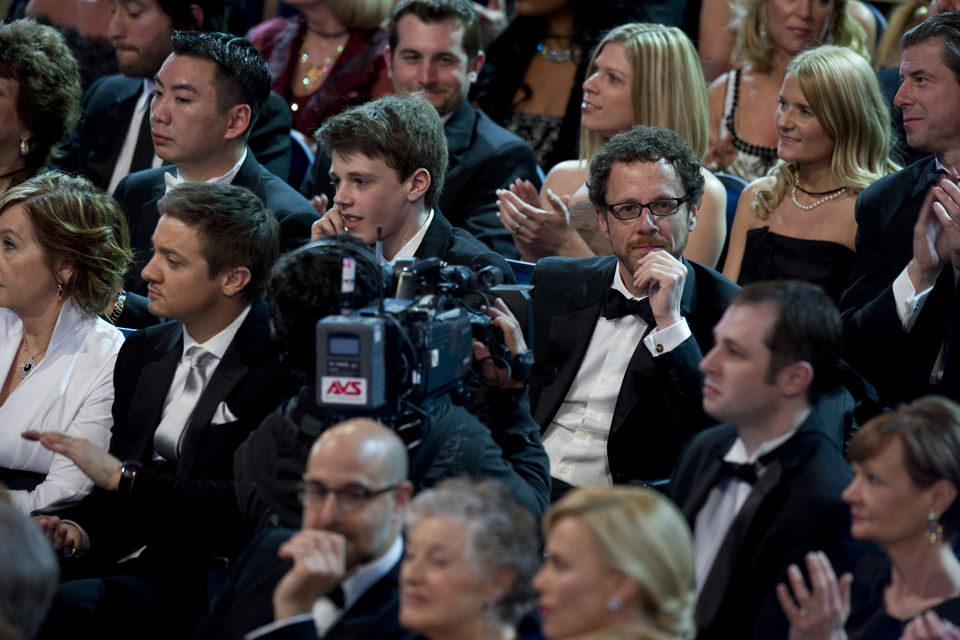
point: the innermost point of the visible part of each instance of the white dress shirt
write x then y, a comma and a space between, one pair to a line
410, 248
70, 390
576, 440
722, 506
140, 111
217, 346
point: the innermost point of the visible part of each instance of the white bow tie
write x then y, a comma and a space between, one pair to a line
172, 180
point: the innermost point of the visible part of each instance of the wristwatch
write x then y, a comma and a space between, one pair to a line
128, 473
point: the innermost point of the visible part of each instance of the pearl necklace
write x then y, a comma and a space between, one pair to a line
832, 195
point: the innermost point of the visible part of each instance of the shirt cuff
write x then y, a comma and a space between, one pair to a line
661, 341
278, 624
908, 301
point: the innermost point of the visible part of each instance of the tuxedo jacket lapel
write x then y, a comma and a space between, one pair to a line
715, 587
570, 335
151, 392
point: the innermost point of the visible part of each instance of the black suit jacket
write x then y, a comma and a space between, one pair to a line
250, 381
108, 105
887, 212
794, 508
456, 246
247, 601
482, 157
140, 191
660, 402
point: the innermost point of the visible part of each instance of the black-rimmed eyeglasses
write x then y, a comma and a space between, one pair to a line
661, 207
351, 497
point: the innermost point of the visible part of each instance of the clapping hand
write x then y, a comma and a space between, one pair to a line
819, 612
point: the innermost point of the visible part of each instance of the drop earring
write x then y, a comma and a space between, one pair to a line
24, 147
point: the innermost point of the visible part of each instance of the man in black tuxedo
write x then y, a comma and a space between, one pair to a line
389, 159
337, 577
763, 489
209, 91
435, 49
187, 394
614, 410
113, 137
900, 308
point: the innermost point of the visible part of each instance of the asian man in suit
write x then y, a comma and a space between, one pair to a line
187, 393
617, 339
119, 105
763, 489
209, 91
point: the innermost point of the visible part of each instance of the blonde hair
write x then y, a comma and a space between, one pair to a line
753, 37
361, 14
843, 93
640, 534
668, 88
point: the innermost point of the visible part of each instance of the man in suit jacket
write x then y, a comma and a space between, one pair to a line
389, 162
337, 577
902, 291
614, 410
208, 91
113, 137
187, 393
435, 49
763, 489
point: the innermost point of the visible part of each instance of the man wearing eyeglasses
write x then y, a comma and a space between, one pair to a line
337, 576
613, 410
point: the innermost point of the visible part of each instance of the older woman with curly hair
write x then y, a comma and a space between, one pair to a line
471, 550
39, 98
619, 565
833, 142
769, 34
64, 248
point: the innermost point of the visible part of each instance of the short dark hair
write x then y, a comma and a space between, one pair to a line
48, 84
242, 75
405, 131
808, 328
646, 144
305, 287
944, 27
431, 11
929, 429
233, 226
181, 15
78, 223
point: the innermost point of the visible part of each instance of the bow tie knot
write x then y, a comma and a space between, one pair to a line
616, 305
746, 472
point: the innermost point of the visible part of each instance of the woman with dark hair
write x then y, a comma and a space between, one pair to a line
326, 58
39, 98
903, 498
470, 553
532, 80
64, 248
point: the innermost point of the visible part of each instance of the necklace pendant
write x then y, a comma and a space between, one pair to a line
25, 367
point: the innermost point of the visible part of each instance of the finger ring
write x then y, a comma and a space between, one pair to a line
516, 229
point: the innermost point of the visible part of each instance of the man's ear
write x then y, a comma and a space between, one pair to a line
478, 61
239, 117
236, 280
387, 55
602, 221
198, 16
419, 183
795, 378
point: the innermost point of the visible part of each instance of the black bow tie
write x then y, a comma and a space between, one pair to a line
934, 177
615, 305
746, 472
336, 596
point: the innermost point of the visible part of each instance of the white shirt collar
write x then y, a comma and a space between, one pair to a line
738, 452
218, 344
619, 285
410, 248
225, 178
368, 574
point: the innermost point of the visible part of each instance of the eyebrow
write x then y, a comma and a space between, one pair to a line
184, 86
170, 252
